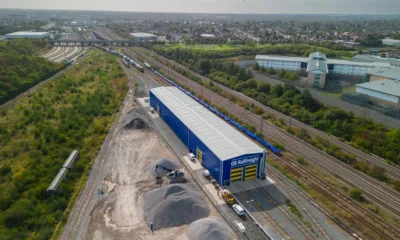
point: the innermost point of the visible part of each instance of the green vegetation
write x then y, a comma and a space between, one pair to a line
359, 132
196, 52
21, 68
20, 26
297, 212
356, 194
75, 111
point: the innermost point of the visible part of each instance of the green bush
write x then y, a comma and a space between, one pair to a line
281, 73
271, 71
356, 194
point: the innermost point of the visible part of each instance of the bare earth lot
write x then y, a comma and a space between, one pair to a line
125, 176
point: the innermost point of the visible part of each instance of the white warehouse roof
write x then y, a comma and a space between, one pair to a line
386, 73
221, 138
355, 63
142, 35
390, 87
27, 35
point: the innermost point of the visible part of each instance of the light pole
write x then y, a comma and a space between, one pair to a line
249, 204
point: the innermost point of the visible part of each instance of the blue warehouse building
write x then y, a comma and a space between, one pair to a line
224, 151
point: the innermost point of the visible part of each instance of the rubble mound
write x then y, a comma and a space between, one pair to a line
136, 119
174, 205
163, 162
210, 228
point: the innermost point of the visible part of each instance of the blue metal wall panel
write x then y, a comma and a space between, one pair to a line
191, 141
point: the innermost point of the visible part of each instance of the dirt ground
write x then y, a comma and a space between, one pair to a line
118, 215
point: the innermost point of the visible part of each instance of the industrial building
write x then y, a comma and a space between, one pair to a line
383, 74
384, 92
390, 42
318, 66
394, 63
39, 35
224, 151
143, 36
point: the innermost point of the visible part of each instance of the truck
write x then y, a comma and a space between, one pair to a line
228, 197
172, 174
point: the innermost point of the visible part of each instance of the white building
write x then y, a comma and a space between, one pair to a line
318, 66
39, 35
390, 42
277, 62
143, 36
383, 91
207, 35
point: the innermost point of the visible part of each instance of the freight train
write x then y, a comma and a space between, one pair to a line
126, 60
125, 63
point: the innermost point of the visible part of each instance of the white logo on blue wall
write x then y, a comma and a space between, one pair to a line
245, 161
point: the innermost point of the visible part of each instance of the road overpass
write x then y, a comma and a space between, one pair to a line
65, 42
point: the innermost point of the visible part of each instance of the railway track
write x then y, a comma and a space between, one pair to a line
383, 197
295, 195
392, 171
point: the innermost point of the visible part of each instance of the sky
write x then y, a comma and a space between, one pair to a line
216, 6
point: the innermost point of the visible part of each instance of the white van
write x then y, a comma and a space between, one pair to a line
238, 209
191, 156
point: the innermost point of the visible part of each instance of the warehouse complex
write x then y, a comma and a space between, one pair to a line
224, 151
318, 66
384, 92
40, 35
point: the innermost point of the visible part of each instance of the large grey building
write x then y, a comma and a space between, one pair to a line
39, 35
384, 92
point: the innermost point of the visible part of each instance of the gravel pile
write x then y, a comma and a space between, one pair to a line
174, 205
210, 228
163, 162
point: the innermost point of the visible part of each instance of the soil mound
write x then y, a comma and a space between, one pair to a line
210, 228
174, 205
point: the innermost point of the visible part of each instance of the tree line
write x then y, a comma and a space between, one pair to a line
21, 67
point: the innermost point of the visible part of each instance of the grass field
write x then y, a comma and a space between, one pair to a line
73, 111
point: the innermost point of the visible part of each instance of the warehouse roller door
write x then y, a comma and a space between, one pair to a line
236, 174
199, 155
251, 172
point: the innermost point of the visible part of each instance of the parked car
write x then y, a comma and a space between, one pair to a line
238, 209
206, 174
191, 156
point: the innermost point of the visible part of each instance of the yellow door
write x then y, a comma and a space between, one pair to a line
251, 172
199, 155
236, 174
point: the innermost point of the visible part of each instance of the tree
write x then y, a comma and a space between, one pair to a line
277, 90
281, 73
356, 194
293, 76
256, 67
18, 213
271, 71
205, 66
287, 75
382, 55
264, 87
262, 69
242, 74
